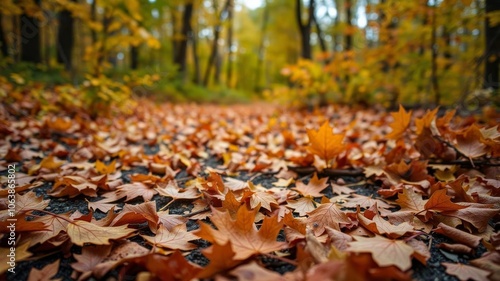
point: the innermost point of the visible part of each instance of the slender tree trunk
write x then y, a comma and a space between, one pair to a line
134, 57
3, 40
215, 44
180, 58
196, 59
492, 52
31, 38
434, 50
93, 16
348, 37
65, 39
230, 54
305, 28
261, 51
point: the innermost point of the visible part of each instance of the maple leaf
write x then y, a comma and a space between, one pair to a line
44, 274
221, 258
145, 212
385, 252
327, 214
400, 123
441, 202
134, 190
54, 224
90, 257
263, 199
325, 143
177, 238
466, 272
313, 188
105, 169
120, 253
458, 235
378, 225
469, 143
170, 221
171, 190
29, 201
302, 205
245, 239
253, 272
81, 232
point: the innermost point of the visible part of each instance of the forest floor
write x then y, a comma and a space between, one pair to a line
113, 198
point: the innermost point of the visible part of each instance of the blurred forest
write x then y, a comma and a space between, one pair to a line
92, 53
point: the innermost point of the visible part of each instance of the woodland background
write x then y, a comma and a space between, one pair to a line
96, 54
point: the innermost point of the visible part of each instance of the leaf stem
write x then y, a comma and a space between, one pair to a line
280, 259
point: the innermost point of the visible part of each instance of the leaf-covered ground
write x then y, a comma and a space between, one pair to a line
253, 192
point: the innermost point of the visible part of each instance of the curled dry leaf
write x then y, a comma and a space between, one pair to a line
466, 272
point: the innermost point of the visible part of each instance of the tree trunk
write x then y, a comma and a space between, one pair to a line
348, 36
93, 16
261, 51
215, 44
305, 28
196, 59
65, 39
30, 38
492, 52
180, 57
229, 75
3, 40
134, 57
434, 50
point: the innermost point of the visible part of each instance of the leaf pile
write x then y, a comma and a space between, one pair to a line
436, 174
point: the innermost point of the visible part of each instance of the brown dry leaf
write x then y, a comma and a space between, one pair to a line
254, 272
170, 221
327, 214
140, 213
263, 199
339, 239
302, 205
173, 191
245, 239
90, 257
458, 235
385, 252
441, 202
380, 226
477, 215
82, 232
469, 143
313, 188
176, 239
29, 201
134, 190
400, 123
221, 259
325, 143
466, 272
46, 273
120, 252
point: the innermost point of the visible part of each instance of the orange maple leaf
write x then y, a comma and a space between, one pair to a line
439, 201
400, 123
327, 214
245, 239
324, 143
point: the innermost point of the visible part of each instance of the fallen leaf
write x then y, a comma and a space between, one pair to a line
401, 121
82, 232
313, 188
245, 239
325, 143
466, 272
177, 238
385, 252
